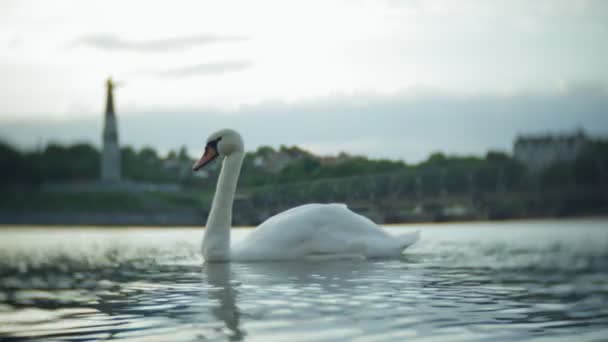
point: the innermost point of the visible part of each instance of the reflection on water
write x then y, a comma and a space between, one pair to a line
219, 277
509, 281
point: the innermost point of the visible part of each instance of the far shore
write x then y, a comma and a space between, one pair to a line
427, 224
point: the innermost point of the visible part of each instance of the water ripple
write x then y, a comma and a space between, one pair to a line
460, 283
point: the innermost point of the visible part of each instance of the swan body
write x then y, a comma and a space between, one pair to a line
319, 231
311, 231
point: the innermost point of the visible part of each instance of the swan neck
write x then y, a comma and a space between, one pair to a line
216, 244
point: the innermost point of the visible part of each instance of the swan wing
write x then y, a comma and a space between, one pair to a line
317, 231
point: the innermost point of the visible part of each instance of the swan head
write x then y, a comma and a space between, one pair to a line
220, 144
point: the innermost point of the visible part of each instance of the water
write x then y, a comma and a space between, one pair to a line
543, 280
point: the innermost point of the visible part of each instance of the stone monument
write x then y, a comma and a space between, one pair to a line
110, 155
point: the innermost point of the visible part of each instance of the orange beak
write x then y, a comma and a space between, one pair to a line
208, 156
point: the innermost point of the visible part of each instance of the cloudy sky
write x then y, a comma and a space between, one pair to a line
394, 78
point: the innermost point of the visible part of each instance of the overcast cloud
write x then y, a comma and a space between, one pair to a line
115, 43
396, 79
400, 127
217, 68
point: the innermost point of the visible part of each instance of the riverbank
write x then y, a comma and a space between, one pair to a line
192, 219
191, 208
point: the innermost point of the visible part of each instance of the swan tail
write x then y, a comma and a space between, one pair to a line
406, 240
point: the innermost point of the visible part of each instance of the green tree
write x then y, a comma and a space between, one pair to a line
65, 163
15, 168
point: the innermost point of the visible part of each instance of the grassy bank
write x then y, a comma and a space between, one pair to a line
19, 201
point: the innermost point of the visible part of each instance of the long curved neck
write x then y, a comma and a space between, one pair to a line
216, 243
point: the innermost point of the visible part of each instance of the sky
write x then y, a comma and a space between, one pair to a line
395, 79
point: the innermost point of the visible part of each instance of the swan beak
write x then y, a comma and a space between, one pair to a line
208, 156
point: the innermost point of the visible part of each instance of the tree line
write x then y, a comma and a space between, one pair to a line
439, 172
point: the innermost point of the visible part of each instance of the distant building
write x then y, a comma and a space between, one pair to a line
335, 160
110, 155
183, 168
275, 161
539, 151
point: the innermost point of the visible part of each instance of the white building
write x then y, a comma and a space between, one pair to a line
276, 161
539, 151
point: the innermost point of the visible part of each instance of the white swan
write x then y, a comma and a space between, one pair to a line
310, 231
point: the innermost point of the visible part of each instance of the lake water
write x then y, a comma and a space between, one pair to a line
526, 280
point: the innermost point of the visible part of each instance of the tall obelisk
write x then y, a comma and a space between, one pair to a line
110, 156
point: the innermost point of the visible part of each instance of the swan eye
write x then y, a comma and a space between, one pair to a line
213, 143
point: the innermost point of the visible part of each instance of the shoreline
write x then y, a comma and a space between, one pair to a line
43, 226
